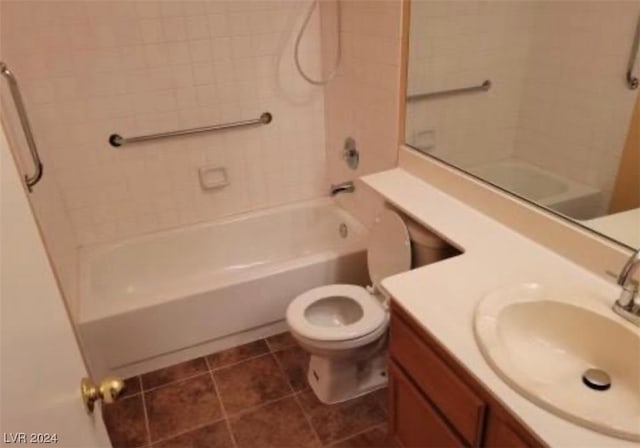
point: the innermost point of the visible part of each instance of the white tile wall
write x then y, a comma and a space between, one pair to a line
558, 99
458, 44
576, 107
363, 100
134, 67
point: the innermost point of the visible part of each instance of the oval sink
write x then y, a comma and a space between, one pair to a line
541, 343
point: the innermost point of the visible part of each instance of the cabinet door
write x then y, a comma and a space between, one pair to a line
414, 421
461, 406
498, 434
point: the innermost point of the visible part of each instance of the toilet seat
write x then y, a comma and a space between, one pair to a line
324, 327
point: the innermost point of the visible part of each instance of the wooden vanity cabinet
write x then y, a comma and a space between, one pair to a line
435, 402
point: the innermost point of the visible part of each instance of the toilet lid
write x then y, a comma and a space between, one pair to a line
335, 313
389, 249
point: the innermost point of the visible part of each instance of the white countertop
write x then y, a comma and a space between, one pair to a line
442, 296
623, 226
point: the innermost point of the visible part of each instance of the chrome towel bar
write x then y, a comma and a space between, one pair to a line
421, 96
117, 140
632, 81
29, 181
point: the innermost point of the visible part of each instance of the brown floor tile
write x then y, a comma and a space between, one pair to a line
181, 406
125, 422
278, 424
131, 387
377, 437
250, 383
237, 354
211, 436
173, 373
339, 421
281, 341
295, 363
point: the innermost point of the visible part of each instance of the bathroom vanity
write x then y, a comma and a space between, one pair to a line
434, 401
443, 390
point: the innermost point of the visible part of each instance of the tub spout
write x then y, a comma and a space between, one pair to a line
342, 187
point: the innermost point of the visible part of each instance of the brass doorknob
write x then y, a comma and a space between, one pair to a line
108, 391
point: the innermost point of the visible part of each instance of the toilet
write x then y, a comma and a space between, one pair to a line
344, 327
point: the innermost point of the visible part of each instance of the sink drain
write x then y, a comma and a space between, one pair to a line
596, 379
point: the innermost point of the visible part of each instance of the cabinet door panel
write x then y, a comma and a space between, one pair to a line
500, 435
462, 407
414, 422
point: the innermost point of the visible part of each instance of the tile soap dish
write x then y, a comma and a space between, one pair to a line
213, 177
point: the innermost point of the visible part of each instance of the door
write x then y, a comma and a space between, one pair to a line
41, 365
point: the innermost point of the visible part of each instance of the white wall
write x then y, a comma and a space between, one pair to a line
362, 101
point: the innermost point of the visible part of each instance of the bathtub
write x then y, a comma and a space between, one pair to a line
156, 299
574, 199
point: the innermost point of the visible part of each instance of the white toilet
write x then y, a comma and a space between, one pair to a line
344, 327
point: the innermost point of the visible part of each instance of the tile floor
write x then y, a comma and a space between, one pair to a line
254, 395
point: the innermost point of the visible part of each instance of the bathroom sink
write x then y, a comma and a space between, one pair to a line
542, 342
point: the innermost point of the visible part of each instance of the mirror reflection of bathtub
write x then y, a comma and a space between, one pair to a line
571, 198
515, 106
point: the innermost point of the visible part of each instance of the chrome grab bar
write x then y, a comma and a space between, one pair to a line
421, 96
117, 140
30, 181
633, 81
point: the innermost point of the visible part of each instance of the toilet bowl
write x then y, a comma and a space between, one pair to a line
344, 327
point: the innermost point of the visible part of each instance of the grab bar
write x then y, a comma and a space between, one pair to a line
30, 181
421, 96
117, 140
633, 81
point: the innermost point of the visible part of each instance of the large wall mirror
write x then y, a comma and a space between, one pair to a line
539, 98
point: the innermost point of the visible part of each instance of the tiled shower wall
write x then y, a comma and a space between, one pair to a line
89, 69
558, 98
576, 107
363, 100
458, 44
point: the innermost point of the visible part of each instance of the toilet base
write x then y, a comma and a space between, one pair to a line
334, 381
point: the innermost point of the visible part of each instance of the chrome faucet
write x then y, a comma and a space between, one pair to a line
627, 304
342, 187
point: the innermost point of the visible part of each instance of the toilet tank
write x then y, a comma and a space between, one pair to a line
426, 246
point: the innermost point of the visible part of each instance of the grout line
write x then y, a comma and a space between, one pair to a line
170, 383
282, 371
134, 393
308, 419
224, 410
245, 411
272, 349
295, 398
187, 431
214, 369
367, 429
195, 428
209, 369
146, 415
225, 414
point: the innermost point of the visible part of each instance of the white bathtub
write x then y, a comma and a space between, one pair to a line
574, 199
184, 291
